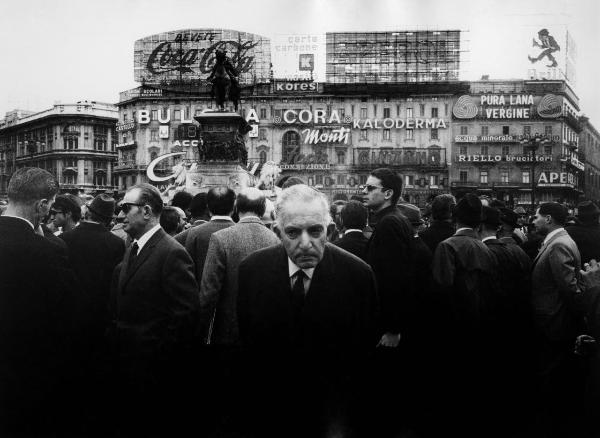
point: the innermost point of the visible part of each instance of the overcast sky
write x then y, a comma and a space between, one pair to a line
70, 50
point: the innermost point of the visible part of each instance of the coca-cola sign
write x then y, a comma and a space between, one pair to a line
190, 55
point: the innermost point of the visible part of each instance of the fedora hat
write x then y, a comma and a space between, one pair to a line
102, 205
587, 208
412, 213
509, 217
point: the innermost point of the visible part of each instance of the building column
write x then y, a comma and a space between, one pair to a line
81, 172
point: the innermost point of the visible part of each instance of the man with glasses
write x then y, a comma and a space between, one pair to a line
154, 302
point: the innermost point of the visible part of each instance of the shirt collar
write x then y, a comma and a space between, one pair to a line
146, 237
488, 238
464, 228
352, 230
216, 217
22, 218
293, 268
552, 234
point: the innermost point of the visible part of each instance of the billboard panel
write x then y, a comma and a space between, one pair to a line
299, 56
189, 55
393, 57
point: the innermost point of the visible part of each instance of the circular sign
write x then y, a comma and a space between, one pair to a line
464, 108
549, 107
152, 165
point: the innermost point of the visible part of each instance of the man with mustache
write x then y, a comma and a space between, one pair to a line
306, 317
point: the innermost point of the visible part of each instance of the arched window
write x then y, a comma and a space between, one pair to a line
341, 157
262, 157
291, 145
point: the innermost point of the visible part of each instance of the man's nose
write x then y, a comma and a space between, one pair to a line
305, 240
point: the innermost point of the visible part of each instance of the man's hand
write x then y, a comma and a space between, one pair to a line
389, 340
590, 275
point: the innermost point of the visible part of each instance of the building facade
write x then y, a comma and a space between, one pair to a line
589, 145
494, 128
75, 142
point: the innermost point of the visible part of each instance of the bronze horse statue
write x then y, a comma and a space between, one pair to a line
225, 85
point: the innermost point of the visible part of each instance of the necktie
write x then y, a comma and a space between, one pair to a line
298, 291
133, 255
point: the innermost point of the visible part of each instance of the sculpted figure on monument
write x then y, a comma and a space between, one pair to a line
225, 85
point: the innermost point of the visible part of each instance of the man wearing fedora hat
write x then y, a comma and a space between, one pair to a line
93, 253
586, 233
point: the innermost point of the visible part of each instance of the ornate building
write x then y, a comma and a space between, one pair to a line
75, 142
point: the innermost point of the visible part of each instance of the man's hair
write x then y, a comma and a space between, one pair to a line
251, 200
69, 204
441, 207
182, 200
389, 180
151, 196
291, 181
198, 205
556, 211
300, 193
468, 210
354, 215
220, 200
30, 184
169, 219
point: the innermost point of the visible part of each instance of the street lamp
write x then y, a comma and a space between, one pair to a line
533, 143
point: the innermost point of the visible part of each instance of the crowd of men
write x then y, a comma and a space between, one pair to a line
227, 314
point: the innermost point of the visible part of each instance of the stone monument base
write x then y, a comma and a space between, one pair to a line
204, 176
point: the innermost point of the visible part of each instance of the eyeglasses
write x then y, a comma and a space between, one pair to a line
55, 212
126, 206
370, 188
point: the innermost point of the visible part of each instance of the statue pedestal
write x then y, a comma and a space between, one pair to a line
205, 176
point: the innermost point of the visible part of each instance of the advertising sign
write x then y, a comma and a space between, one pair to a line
299, 56
507, 106
163, 131
307, 62
189, 55
556, 179
392, 57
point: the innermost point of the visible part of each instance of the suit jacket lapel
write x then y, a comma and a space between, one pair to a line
546, 245
127, 274
322, 275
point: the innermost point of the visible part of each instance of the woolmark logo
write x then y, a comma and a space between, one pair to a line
549, 107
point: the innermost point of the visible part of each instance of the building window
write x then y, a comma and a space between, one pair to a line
548, 149
71, 142
386, 113
464, 130
363, 135
262, 134
548, 131
410, 133
342, 113
462, 150
525, 177
363, 113
154, 135
422, 108
277, 113
386, 135
100, 143
154, 114
262, 156
409, 113
319, 179
484, 149
504, 176
505, 130
527, 130
291, 145
434, 112
263, 113
483, 177
485, 130
505, 150
69, 178
177, 115
433, 180
374, 110
409, 180
463, 176
341, 157
341, 179
434, 134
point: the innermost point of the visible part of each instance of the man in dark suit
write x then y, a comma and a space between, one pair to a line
353, 218
464, 275
586, 233
220, 201
94, 252
306, 313
154, 304
37, 309
556, 303
441, 226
